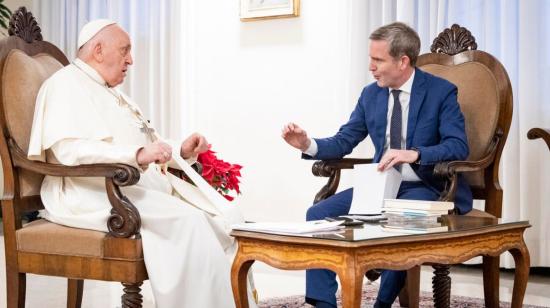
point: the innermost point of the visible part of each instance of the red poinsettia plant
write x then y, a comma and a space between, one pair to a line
221, 175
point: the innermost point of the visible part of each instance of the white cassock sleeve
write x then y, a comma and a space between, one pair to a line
72, 152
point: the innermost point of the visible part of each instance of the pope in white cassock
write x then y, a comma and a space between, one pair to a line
80, 118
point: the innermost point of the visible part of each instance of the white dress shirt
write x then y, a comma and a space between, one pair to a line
404, 97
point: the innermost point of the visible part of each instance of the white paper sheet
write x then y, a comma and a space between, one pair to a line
290, 227
371, 187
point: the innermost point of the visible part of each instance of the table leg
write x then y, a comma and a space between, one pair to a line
410, 294
239, 274
352, 284
522, 260
491, 280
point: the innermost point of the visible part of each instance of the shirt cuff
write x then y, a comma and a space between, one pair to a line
312, 149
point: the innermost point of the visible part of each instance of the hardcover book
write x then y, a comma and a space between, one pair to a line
418, 205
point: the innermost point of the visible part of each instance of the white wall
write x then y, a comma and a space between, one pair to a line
248, 79
15, 4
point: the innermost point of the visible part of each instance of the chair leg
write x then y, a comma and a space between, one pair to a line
410, 294
75, 288
16, 284
491, 280
441, 284
132, 297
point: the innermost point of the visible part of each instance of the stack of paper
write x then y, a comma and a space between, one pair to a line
420, 206
415, 216
290, 227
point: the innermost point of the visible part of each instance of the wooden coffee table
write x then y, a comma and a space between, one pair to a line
352, 253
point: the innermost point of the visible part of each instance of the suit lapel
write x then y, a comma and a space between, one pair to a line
418, 92
381, 120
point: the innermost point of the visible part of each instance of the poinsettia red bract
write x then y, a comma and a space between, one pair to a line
221, 175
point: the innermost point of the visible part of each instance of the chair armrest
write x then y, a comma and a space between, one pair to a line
325, 168
536, 133
125, 220
449, 170
332, 169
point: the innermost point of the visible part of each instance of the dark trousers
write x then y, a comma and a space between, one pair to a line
321, 284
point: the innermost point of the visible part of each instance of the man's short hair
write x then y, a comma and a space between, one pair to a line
403, 40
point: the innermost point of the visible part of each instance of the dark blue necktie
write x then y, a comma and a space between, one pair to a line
395, 125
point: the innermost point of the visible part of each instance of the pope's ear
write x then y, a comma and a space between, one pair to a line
97, 52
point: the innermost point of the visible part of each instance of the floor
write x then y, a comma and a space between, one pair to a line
45, 292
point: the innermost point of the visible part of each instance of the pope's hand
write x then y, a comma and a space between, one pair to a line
158, 152
193, 146
394, 157
296, 136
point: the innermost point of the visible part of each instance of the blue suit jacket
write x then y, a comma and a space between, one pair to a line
435, 127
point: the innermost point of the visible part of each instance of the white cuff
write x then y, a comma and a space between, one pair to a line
312, 149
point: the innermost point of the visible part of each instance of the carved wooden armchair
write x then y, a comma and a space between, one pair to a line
485, 97
42, 247
536, 133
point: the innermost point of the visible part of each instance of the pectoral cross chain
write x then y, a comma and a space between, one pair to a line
148, 131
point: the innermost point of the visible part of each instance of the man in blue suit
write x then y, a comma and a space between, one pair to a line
414, 121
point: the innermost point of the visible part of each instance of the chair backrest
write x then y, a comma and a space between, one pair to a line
25, 63
485, 98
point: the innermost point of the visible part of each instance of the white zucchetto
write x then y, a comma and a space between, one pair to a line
91, 29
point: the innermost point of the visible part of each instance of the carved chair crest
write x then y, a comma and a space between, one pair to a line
24, 25
454, 40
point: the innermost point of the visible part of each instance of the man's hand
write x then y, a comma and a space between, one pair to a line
193, 146
296, 136
394, 157
158, 152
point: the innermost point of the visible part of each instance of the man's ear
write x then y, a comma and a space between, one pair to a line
405, 62
97, 52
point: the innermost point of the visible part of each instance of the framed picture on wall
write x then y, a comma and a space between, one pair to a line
267, 9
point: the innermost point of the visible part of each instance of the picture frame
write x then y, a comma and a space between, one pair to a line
268, 9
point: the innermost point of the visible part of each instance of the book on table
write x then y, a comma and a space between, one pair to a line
441, 206
393, 217
412, 212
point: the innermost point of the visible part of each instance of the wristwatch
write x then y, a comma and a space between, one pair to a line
417, 161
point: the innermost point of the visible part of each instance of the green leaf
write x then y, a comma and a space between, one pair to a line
5, 11
5, 14
3, 24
